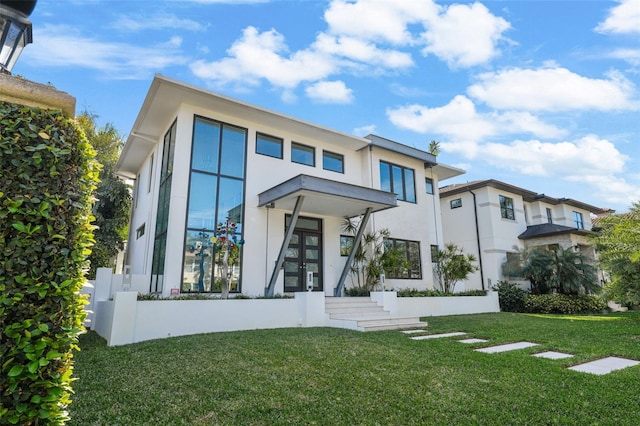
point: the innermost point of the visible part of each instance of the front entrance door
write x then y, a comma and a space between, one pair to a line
304, 255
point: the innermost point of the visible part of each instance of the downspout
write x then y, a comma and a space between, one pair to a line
475, 214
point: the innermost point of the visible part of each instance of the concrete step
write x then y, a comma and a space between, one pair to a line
363, 314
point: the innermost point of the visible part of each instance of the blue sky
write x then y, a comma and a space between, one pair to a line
541, 94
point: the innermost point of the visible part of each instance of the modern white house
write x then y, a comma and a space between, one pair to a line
280, 185
228, 189
491, 219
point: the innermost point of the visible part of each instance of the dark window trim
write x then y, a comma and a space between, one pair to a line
275, 139
336, 155
578, 219
549, 215
393, 242
347, 249
219, 178
402, 196
429, 184
301, 145
455, 203
505, 209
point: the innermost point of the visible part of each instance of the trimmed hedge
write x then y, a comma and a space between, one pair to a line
413, 292
563, 304
47, 176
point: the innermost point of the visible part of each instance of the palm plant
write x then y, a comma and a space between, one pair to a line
561, 270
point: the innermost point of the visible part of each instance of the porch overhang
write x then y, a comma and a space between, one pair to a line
326, 197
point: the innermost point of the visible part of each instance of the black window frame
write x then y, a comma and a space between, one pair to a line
393, 243
402, 195
456, 203
428, 185
328, 154
549, 215
270, 139
346, 243
506, 210
578, 219
303, 148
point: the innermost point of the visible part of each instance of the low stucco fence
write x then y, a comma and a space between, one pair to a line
119, 317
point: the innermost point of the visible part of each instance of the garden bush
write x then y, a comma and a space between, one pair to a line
47, 177
563, 304
511, 296
413, 292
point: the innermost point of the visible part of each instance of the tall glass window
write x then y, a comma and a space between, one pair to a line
216, 195
398, 179
577, 219
162, 215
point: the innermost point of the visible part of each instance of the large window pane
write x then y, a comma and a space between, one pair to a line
333, 162
198, 255
206, 139
202, 201
409, 186
385, 176
233, 149
409, 250
268, 145
303, 154
230, 202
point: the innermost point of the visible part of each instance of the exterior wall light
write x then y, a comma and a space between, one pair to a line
15, 31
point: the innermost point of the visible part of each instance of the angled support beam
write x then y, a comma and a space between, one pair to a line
268, 291
337, 292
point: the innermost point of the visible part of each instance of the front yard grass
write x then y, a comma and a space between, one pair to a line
328, 376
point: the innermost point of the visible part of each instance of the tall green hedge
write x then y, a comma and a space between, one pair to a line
47, 176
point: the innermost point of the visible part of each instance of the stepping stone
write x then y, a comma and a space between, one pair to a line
412, 331
507, 347
604, 365
472, 341
437, 336
552, 355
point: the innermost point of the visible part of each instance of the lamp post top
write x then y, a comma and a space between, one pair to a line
23, 6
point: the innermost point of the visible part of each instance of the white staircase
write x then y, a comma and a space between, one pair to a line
363, 314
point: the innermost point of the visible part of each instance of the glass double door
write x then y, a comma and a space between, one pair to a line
304, 256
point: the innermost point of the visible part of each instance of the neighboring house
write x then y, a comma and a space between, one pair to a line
490, 219
200, 159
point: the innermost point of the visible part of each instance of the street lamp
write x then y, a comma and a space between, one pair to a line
15, 30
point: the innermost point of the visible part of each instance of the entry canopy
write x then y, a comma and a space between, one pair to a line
326, 197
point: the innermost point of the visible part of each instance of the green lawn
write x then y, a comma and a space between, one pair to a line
330, 376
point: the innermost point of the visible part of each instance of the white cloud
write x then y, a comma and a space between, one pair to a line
612, 189
465, 35
62, 46
330, 92
553, 89
589, 155
257, 56
377, 20
362, 51
630, 55
622, 19
460, 122
365, 130
157, 21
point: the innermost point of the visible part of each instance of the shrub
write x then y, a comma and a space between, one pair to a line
357, 291
412, 292
47, 177
511, 296
563, 304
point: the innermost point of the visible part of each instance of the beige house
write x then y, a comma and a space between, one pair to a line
489, 219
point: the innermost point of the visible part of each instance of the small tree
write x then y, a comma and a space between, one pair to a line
618, 243
227, 244
533, 265
451, 265
113, 198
